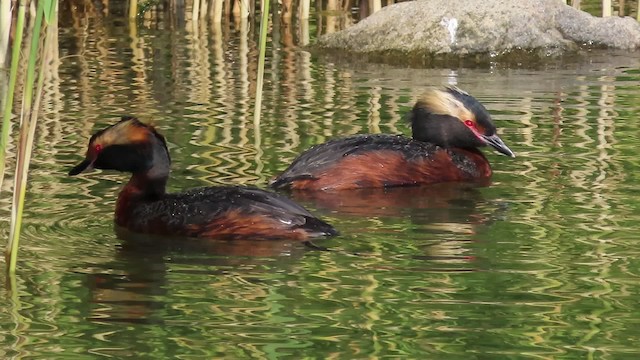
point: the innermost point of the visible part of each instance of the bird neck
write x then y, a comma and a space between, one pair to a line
145, 187
151, 183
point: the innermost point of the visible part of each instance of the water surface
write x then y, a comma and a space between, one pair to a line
540, 263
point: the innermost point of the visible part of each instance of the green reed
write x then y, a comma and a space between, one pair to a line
46, 10
8, 97
264, 25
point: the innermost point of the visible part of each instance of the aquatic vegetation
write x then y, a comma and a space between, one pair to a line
46, 11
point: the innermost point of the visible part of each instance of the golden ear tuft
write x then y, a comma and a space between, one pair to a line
442, 102
137, 133
128, 130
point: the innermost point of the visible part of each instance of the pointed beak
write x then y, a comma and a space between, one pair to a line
85, 165
497, 143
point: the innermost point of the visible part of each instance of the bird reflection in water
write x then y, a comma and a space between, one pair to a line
441, 220
440, 200
129, 289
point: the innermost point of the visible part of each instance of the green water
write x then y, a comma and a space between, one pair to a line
541, 263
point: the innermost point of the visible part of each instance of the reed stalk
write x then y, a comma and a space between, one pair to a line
606, 8
5, 26
28, 120
133, 9
216, 11
8, 97
304, 7
374, 6
27, 94
264, 24
244, 8
196, 15
203, 8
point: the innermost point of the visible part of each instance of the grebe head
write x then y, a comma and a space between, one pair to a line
452, 118
129, 146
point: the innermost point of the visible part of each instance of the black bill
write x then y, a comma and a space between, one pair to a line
497, 143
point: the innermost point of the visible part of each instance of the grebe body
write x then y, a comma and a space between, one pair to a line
224, 212
448, 127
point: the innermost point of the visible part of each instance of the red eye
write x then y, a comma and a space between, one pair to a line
470, 123
97, 148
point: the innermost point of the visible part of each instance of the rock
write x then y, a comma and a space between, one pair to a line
484, 30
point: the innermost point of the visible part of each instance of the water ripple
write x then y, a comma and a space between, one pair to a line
541, 262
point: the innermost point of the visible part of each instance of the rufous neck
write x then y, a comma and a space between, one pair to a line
143, 186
